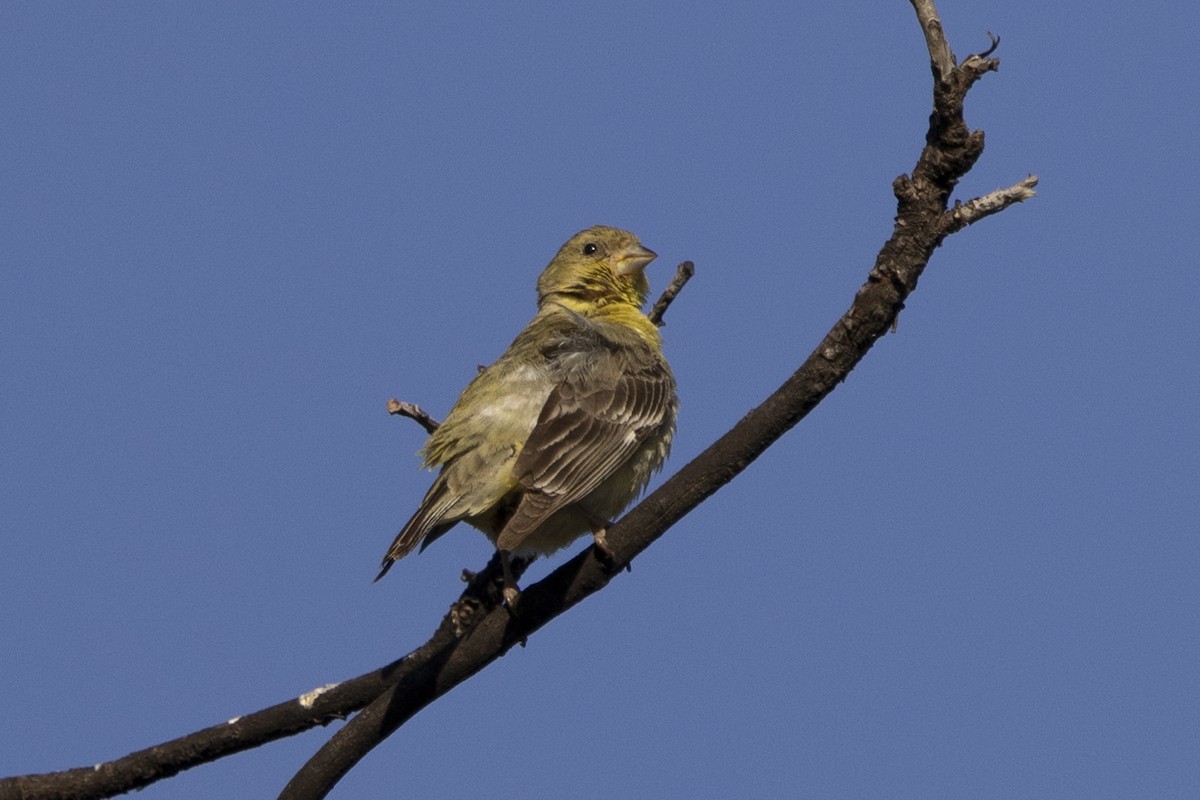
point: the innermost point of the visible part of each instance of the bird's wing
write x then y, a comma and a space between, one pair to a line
590, 425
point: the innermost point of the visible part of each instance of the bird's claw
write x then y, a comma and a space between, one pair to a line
604, 552
509, 591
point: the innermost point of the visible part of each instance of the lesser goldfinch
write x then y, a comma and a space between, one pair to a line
557, 436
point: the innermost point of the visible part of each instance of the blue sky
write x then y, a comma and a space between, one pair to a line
232, 231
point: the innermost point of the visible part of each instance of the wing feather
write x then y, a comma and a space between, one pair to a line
591, 424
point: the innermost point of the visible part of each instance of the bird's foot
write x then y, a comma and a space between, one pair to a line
604, 552
601, 541
510, 591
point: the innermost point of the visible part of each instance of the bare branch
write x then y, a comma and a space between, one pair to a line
972, 211
296, 715
683, 274
414, 412
940, 54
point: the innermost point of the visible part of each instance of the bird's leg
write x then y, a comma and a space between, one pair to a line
602, 543
599, 528
510, 592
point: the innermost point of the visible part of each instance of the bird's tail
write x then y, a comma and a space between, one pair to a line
425, 526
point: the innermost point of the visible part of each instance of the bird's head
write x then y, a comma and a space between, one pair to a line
598, 266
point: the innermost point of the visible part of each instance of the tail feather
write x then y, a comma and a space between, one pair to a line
425, 526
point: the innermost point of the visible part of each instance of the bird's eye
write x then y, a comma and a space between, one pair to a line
590, 248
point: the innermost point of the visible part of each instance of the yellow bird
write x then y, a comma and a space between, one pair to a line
564, 430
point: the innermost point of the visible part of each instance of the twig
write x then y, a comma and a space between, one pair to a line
972, 211
995, 43
683, 274
413, 412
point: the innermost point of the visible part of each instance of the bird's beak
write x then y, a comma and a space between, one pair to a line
632, 259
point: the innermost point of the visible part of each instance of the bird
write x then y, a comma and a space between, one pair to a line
556, 437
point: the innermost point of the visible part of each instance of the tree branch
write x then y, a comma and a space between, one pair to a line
478, 630
940, 56
317, 707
